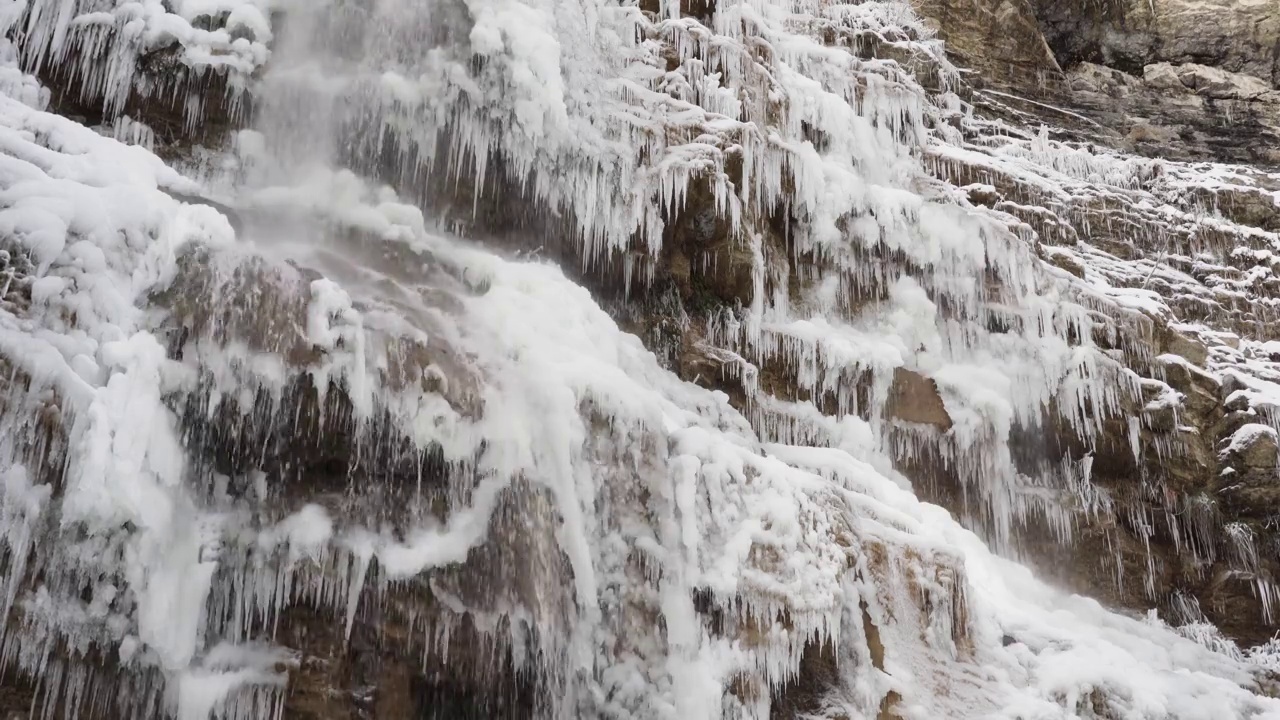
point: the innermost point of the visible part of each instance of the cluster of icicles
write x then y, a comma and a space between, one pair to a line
508, 458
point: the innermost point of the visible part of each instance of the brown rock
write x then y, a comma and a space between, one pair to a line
1259, 449
1187, 347
999, 38
985, 195
1199, 388
1066, 262
914, 398
1161, 419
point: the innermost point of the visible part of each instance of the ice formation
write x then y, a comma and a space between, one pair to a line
338, 404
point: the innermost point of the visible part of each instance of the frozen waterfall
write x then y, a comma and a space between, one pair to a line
369, 370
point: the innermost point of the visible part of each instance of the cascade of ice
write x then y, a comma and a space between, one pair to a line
338, 407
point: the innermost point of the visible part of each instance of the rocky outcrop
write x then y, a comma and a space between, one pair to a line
182, 72
1177, 79
996, 43
1236, 36
1183, 112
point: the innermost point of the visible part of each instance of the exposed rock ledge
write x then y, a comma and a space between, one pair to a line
1182, 79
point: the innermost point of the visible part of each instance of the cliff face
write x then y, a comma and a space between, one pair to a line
1180, 80
579, 359
1235, 37
1173, 81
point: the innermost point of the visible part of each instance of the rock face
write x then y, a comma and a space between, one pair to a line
1129, 35
1176, 79
1191, 81
1187, 111
737, 286
999, 43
